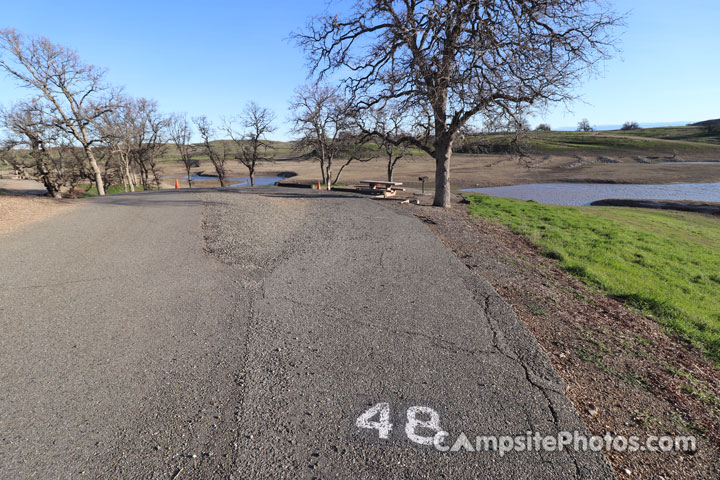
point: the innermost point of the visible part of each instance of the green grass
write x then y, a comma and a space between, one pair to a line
649, 141
109, 190
690, 134
665, 264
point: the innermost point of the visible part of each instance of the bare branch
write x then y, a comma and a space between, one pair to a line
444, 62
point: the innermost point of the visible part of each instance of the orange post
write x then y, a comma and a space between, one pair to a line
177, 184
319, 187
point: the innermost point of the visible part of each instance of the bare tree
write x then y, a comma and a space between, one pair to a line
218, 154
390, 136
320, 118
584, 126
459, 58
136, 132
120, 130
151, 140
252, 143
75, 92
630, 126
543, 127
352, 147
37, 146
180, 133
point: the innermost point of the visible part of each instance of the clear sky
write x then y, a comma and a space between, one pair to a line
213, 57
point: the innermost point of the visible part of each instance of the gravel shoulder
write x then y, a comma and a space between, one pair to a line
18, 211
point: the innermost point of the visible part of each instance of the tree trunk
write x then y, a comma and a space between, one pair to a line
390, 170
337, 177
144, 176
129, 179
322, 170
125, 177
252, 177
52, 189
96, 171
189, 176
50, 186
443, 152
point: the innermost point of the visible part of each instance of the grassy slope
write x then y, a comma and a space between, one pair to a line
664, 140
92, 192
666, 264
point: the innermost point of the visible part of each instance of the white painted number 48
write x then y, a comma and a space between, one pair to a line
417, 418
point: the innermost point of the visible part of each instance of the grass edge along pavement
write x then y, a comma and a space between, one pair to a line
85, 190
665, 264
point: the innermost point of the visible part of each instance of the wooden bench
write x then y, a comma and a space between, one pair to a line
387, 189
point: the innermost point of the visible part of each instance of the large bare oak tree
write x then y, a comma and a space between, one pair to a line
459, 58
35, 145
75, 93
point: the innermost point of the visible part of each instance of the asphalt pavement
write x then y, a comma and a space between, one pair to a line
262, 333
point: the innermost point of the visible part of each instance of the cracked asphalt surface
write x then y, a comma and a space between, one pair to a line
241, 333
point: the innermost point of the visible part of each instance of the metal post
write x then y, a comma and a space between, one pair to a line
422, 179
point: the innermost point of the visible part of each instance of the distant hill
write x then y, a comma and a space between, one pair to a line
706, 123
643, 141
617, 126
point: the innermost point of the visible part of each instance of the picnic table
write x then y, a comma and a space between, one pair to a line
388, 189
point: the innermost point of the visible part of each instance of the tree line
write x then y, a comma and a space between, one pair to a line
77, 128
389, 77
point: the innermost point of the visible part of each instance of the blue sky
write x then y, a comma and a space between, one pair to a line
213, 57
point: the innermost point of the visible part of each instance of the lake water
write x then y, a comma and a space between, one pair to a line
234, 181
586, 193
259, 181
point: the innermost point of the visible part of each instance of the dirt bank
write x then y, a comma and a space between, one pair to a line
623, 372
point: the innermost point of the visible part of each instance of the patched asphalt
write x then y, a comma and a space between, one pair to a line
241, 333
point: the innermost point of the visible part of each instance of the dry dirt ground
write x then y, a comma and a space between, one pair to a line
17, 211
623, 372
469, 171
